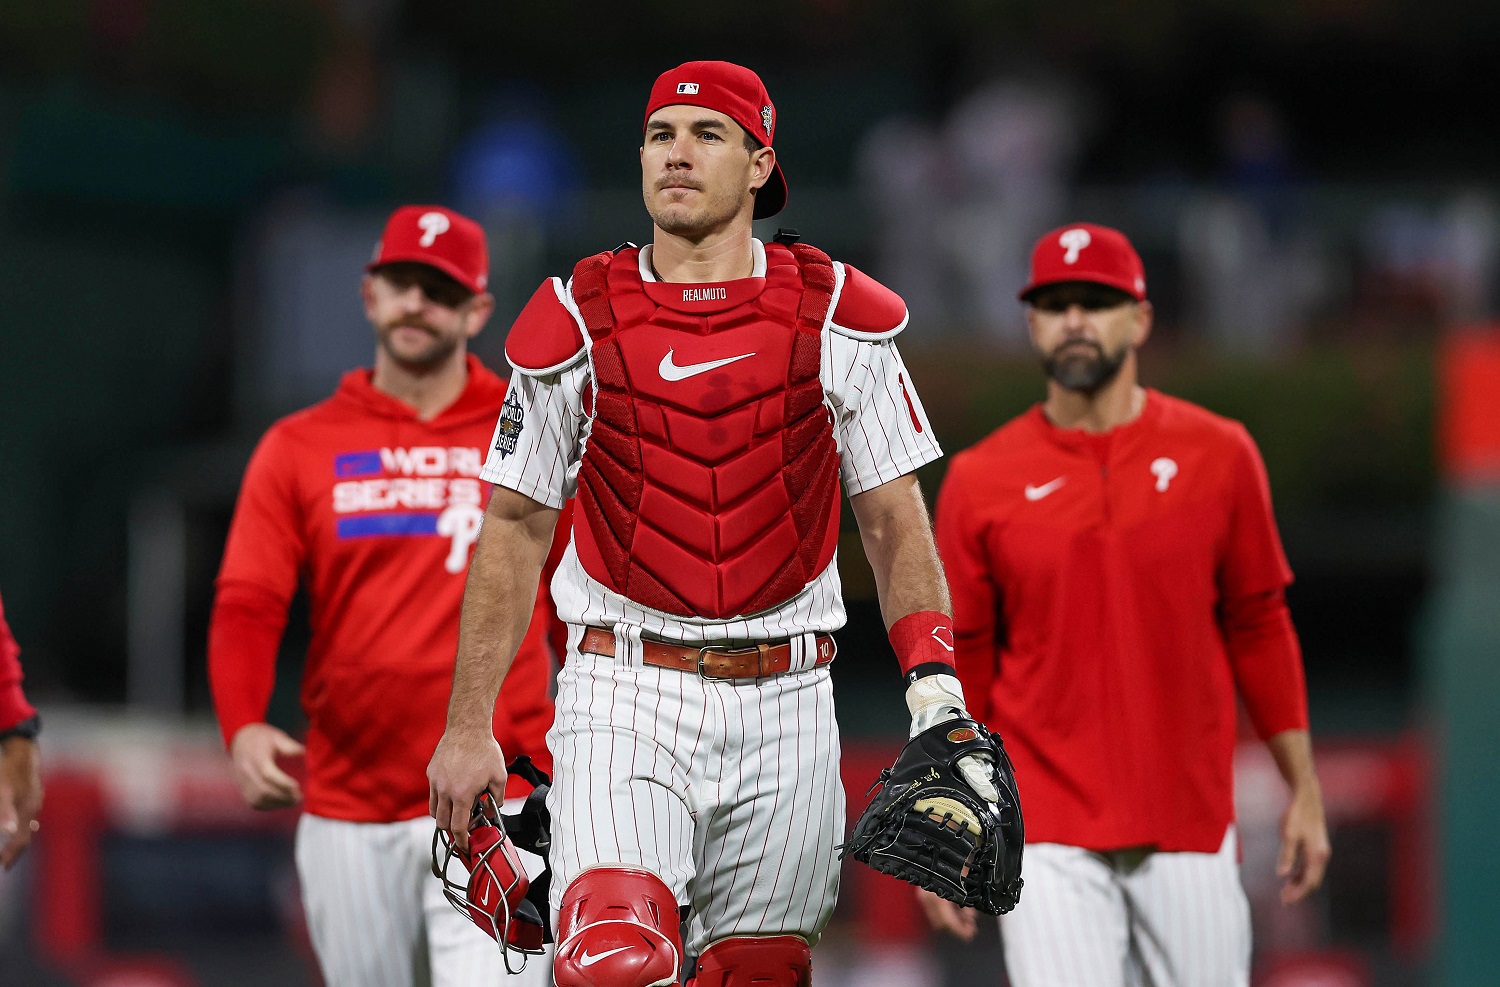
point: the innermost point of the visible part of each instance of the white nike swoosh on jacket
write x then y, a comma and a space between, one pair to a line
1037, 493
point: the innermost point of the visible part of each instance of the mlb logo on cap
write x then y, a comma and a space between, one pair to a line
687, 88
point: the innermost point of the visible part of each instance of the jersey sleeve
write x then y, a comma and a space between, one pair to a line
538, 439
1259, 637
14, 708
262, 562
883, 431
976, 599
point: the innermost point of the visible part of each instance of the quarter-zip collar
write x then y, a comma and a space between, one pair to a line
1099, 445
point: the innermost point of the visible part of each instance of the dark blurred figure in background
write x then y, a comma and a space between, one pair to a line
900, 166
372, 499
20, 760
957, 205
1117, 577
1254, 268
1011, 146
518, 176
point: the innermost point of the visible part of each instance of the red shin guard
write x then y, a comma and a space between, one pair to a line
755, 961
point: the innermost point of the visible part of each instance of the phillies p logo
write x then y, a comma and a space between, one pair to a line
432, 224
1073, 241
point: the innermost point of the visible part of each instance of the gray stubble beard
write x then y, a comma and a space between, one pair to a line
1085, 375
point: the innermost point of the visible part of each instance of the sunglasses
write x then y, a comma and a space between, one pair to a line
436, 286
1087, 296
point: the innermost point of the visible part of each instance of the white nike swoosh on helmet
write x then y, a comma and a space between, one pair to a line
1037, 493
671, 371
587, 960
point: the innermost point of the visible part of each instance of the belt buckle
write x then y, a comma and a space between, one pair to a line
760, 666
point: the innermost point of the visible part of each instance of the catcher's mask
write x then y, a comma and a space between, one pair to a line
497, 896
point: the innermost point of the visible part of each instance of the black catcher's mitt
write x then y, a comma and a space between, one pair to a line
928, 827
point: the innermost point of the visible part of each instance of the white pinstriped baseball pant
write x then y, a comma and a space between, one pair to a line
729, 791
1129, 919
378, 917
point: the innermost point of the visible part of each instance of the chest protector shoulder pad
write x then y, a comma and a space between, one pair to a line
709, 484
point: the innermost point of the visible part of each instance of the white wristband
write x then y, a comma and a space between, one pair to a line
933, 699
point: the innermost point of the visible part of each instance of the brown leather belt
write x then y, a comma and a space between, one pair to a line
752, 662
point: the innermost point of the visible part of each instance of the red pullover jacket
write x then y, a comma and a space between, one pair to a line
1111, 593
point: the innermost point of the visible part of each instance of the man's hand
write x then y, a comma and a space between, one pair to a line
1304, 844
20, 796
253, 752
944, 916
1304, 833
463, 765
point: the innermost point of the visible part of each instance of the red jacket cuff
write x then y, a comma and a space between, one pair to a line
14, 709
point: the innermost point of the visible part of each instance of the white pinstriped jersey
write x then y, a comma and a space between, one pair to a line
879, 423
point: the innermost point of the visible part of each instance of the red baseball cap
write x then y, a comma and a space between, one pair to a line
1086, 252
437, 237
736, 92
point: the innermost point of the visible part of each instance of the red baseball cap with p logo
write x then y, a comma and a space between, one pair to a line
1086, 252
736, 92
440, 238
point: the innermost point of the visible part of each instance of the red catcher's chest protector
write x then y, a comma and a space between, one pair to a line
709, 483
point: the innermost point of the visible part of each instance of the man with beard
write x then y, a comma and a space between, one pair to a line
704, 395
372, 500
1117, 577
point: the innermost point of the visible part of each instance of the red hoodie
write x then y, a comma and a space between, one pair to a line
13, 705
375, 511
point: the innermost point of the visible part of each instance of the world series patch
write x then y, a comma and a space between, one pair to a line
512, 419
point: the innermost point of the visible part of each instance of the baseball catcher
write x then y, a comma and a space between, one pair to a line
947, 817
495, 893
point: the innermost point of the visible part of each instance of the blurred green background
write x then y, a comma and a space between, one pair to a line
188, 189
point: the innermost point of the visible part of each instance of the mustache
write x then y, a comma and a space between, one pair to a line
1063, 347
411, 324
665, 183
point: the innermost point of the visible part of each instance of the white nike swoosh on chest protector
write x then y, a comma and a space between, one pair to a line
671, 371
